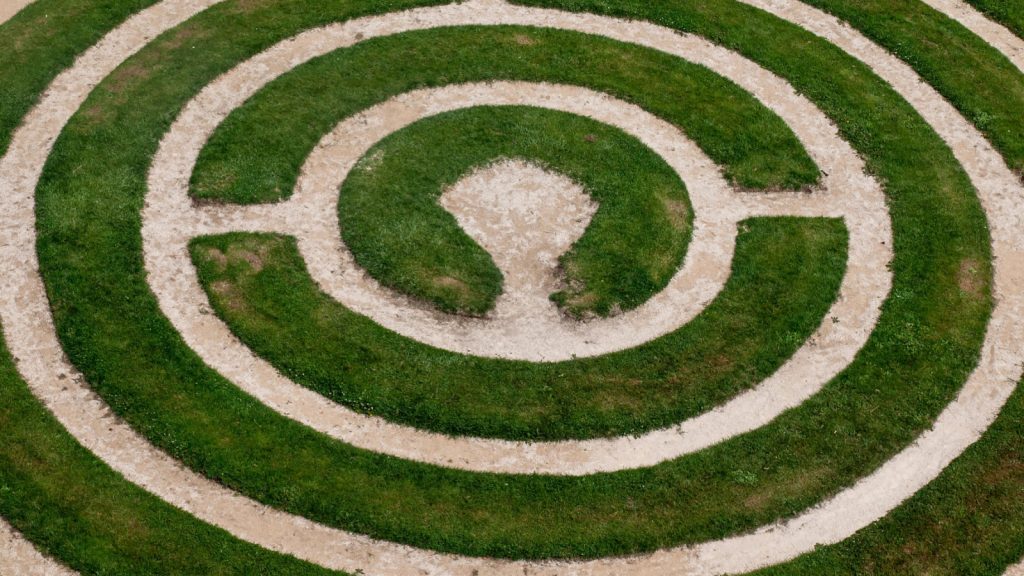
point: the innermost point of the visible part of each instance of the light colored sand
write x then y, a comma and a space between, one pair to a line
8, 8
310, 215
1012, 46
524, 217
699, 279
998, 370
29, 328
19, 558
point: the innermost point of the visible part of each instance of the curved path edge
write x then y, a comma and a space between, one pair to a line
19, 557
994, 34
169, 221
1009, 45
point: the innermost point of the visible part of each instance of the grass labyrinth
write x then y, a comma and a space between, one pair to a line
795, 264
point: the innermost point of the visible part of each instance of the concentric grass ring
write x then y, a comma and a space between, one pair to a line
488, 386
51, 486
1009, 16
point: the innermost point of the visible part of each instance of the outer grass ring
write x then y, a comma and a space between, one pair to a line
985, 413
995, 35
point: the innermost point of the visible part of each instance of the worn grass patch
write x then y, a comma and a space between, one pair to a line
1007, 12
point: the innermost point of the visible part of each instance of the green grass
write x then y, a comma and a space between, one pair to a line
40, 41
785, 274
619, 263
924, 346
254, 158
392, 222
1009, 13
968, 521
986, 87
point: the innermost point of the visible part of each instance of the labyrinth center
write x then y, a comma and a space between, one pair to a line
501, 288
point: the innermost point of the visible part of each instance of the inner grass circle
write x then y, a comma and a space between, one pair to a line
397, 230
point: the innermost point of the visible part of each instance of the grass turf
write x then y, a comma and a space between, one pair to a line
253, 158
924, 346
40, 41
983, 535
775, 297
986, 87
968, 521
392, 222
74, 507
